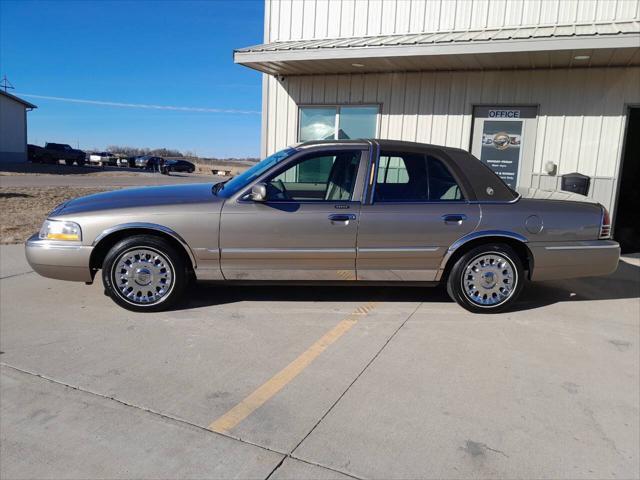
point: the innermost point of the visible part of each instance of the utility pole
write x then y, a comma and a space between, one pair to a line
6, 84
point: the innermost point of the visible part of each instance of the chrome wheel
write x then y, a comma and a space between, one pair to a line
489, 279
143, 276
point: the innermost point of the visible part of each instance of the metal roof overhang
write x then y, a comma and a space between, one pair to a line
296, 59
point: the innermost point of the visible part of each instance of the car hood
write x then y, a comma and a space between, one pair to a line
162, 197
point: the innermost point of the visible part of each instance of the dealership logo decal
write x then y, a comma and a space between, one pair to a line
501, 140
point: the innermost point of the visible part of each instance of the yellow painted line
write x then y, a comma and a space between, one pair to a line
276, 383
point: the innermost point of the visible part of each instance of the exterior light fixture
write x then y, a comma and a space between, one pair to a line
582, 57
357, 65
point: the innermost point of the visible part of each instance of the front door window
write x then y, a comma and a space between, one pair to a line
326, 176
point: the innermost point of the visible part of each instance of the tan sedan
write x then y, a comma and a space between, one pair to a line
345, 212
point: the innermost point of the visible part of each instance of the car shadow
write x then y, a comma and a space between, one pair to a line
624, 283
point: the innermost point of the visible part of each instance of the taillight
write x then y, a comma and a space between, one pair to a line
605, 227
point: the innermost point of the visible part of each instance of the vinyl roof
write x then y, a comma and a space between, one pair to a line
294, 57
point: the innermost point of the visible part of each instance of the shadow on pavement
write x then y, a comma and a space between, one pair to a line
624, 283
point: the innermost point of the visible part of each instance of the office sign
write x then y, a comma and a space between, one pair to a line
498, 139
504, 113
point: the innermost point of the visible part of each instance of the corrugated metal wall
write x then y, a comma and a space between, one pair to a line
307, 19
581, 114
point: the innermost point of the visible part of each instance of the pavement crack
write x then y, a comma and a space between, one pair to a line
276, 467
495, 450
341, 396
16, 275
478, 449
174, 419
137, 407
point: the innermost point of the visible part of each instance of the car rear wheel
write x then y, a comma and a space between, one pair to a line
145, 273
486, 279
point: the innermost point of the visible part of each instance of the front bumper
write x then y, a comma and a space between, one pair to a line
59, 260
559, 260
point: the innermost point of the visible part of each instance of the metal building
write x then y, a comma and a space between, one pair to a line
535, 88
13, 128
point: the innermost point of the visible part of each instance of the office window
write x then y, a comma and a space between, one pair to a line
317, 123
392, 170
342, 122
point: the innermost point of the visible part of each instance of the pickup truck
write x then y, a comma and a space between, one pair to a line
53, 152
103, 159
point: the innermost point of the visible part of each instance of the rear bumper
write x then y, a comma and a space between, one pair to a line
559, 260
58, 260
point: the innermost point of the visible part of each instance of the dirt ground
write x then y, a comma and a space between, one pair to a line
22, 210
60, 169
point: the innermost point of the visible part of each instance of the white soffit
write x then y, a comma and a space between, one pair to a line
604, 44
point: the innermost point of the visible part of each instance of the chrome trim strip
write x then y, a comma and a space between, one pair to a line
473, 236
580, 247
213, 251
486, 233
399, 249
148, 226
287, 250
36, 242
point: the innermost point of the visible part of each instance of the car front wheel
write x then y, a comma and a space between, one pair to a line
486, 279
145, 273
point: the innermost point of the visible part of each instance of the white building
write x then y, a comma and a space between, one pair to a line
556, 80
13, 128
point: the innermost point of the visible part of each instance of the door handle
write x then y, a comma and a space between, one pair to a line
454, 218
341, 218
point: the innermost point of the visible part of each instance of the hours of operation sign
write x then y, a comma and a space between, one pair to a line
498, 139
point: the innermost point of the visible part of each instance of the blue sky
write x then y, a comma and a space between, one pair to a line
173, 53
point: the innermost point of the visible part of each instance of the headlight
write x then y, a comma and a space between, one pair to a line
58, 230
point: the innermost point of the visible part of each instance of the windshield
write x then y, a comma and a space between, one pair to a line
236, 183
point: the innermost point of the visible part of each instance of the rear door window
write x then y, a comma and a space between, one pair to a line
442, 185
414, 177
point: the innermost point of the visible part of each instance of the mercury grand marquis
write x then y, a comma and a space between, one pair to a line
351, 212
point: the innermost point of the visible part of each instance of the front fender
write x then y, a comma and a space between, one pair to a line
153, 227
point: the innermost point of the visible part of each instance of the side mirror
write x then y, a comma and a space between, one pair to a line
259, 192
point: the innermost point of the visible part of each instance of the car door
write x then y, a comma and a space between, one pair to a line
306, 227
416, 211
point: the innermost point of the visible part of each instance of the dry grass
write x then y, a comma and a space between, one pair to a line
23, 209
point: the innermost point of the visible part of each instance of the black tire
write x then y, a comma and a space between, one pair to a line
68, 162
81, 162
172, 261
488, 297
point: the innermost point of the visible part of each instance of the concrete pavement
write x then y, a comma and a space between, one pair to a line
413, 388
